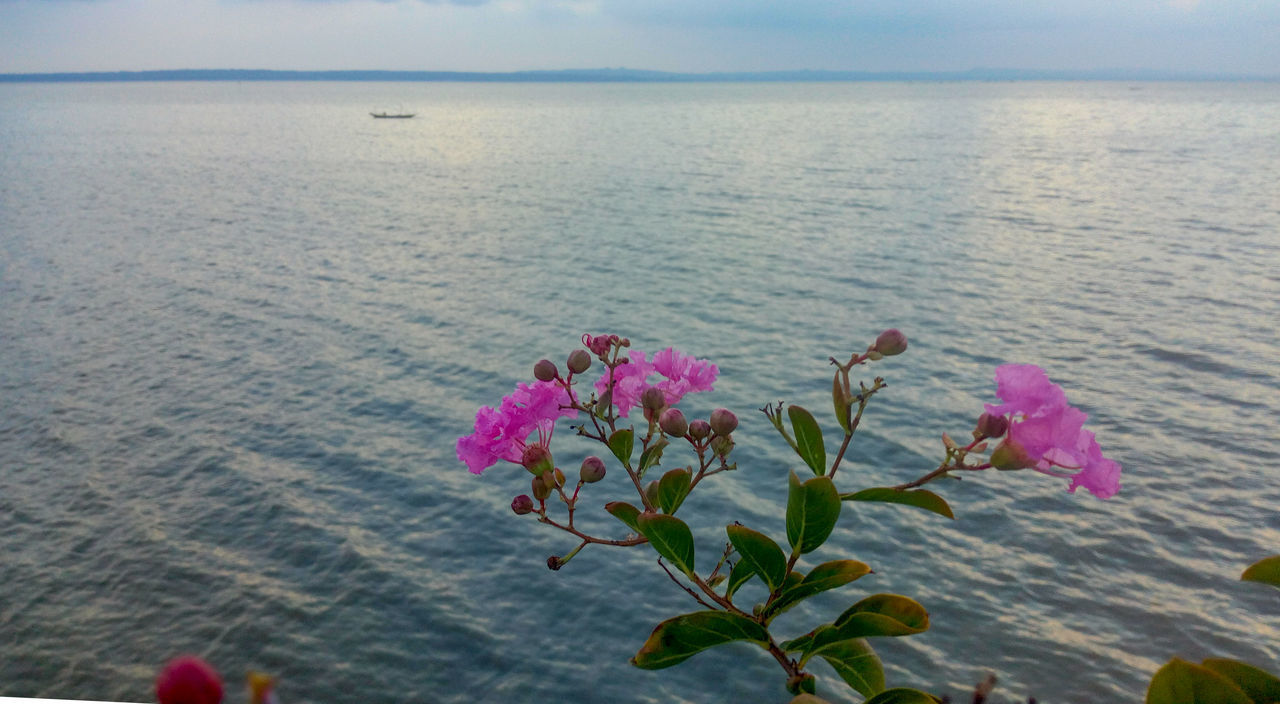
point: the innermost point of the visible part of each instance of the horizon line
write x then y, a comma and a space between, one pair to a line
628, 75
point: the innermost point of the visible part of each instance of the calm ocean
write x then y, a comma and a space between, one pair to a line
241, 326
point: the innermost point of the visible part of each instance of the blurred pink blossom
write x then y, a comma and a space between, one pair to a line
188, 680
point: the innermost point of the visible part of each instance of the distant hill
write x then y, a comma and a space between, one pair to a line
625, 75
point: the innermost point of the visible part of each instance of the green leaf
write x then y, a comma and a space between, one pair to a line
804, 643
626, 513
903, 695
620, 443
809, 442
1180, 682
857, 664
841, 401
808, 699
677, 639
672, 489
760, 553
738, 576
1259, 685
812, 510
882, 615
828, 575
794, 577
1266, 571
670, 537
652, 455
920, 498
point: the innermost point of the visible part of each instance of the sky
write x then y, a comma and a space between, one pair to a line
1198, 36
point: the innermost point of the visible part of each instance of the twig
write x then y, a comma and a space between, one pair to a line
682, 586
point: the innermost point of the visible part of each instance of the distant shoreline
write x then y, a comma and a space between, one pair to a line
622, 75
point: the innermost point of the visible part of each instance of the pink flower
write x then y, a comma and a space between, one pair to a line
1099, 474
629, 381
683, 374
502, 433
1047, 434
1025, 389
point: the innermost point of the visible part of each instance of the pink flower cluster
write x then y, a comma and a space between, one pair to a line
682, 374
501, 433
1047, 434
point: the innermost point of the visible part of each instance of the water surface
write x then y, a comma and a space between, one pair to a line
241, 326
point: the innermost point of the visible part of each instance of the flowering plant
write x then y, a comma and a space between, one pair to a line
1033, 428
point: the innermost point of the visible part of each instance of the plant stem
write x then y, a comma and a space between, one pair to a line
691, 593
638, 540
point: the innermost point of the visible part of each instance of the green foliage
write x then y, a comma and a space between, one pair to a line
671, 537
621, 443
760, 554
903, 695
876, 615
828, 575
677, 639
1266, 571
672, 489
741, 573
857, 664
883, 615
626, 513
840, 399
812, 510
1181, 682
651, 456
809, 443
920, 498
1259, 685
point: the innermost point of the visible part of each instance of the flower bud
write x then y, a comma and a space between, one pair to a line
599, 344
653, 399
891, 342
579, 361
1011, 455
699, 429
554, 563
723, 421
544, 370
673, 423
592, 470
536, 459
541, 490
522, 504
722, 445
990, 426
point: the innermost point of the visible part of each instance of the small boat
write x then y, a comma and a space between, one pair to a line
393, 115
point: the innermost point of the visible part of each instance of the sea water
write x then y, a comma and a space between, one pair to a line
242, 325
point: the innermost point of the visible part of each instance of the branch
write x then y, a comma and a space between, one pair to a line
682, 586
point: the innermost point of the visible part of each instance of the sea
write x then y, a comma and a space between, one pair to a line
243, 324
